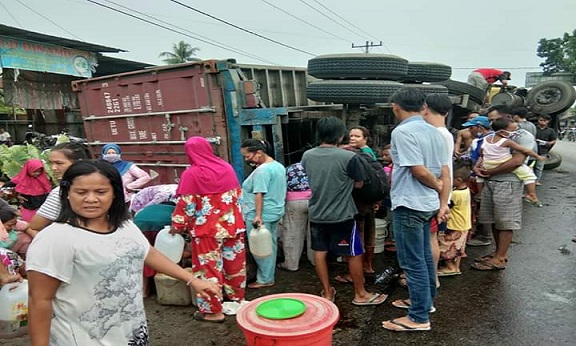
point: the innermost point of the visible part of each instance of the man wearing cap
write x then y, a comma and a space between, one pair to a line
482, 77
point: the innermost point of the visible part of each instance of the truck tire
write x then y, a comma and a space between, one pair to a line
356, 92
553, 160
427, 72
358, 66
429, 88
551, 97
460, 88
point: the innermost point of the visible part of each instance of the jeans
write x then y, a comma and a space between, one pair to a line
266, 267
412, 235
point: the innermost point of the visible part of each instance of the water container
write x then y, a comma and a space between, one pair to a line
381, 234
171, 245
260, 241
14, 310
170, 291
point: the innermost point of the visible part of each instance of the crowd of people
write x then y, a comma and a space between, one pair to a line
85, 246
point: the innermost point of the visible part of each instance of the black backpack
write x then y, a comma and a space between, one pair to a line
376, 187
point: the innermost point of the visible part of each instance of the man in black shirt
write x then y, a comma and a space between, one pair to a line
546, 138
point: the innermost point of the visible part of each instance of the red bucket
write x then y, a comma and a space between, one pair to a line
314, 327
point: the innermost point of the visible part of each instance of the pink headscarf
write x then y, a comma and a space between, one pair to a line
29, 185
208, 174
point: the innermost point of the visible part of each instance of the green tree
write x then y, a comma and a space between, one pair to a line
559, 53
181, 52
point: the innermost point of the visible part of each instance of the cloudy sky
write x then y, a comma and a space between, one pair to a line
465, 34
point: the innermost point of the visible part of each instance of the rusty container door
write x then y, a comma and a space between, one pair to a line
151, 113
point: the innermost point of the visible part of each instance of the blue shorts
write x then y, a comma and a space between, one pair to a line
340, 239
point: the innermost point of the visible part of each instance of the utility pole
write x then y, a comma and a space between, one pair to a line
366, 47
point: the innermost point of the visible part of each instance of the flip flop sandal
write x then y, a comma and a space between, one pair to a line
535, 203
282, 267
256, 285
333, 295
486, 266
448, 273
200, 316
486, 257
405, 304
344, 279
372, 301
401, 327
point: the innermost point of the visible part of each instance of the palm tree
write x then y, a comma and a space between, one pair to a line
181, 52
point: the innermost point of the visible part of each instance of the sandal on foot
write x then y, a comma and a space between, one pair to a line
375, 299
344, 279
486, 266
449, 273
259, 285
405, 304
535, 203
282, 266
333, 295
486, 258
200, 316
396, 326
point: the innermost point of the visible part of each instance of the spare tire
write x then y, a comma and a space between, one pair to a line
429, 88
356, 92
553, 160
358, 66
460, 88
551, 97
427, 72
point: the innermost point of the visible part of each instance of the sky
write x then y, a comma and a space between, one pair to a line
461, 33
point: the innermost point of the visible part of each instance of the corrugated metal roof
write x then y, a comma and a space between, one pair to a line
55, 40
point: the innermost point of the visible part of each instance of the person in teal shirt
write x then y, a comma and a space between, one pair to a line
359, 137
264, 198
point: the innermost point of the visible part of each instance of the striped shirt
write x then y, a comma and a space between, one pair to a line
50, 209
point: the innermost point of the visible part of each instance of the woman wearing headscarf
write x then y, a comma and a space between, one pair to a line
133, 178
207, 207
32, 185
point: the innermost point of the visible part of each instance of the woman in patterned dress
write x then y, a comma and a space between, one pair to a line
208, 208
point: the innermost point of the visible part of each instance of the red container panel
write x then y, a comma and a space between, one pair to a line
151, 113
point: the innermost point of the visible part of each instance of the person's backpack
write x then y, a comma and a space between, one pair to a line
376, 187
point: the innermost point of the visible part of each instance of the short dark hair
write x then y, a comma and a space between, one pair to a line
118, 212
365, 133
253, 145
330, 130
73, 152
439, 103
7, 213
462, 172
522, 112
545, 117
502, 109
501, 123
409, 99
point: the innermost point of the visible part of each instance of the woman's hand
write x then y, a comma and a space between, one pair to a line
206, 289
257, 220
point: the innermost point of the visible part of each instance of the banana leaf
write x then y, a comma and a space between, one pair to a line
12, 159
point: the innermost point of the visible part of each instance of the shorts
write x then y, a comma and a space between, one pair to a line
502, 204
477, 79
340, 239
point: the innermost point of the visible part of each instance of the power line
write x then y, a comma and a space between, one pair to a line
232, 49
48, 19
330, 18
303, 21
348, 22
172, 30
242, 29
10, 14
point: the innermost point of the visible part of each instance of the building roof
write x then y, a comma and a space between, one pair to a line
108, 65
55, 40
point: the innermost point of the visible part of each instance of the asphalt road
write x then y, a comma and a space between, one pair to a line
531, 302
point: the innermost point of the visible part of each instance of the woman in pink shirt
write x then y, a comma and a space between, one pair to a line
133, 178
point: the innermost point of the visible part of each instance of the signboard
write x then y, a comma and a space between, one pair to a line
33, 56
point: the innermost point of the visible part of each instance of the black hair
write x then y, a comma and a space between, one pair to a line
365, 133
118, 212
545, 117
522, 112
7, 213
330, 130
73, 152
462, 172
501, 124
501, 109
253, 145
409, 99
439, 103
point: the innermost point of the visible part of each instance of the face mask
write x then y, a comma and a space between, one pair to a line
478, 134
512, 135
111, 157
252, 164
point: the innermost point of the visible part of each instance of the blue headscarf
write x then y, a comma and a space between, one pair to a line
121, 165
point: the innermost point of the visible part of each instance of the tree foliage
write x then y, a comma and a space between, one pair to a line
181, 52
559, 53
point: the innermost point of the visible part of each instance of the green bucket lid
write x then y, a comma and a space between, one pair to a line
281, 308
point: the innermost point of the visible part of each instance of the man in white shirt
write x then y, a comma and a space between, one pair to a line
4, 136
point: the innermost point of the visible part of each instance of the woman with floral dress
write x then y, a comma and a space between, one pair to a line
208, 208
